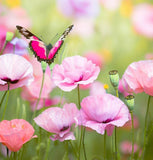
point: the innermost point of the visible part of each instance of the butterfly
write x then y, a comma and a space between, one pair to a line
42, 51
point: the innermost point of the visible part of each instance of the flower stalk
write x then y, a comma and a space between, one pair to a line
130, 103
145, 127
42, 83
114, 79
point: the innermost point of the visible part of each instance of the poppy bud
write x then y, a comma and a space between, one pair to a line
114, 78
130, 102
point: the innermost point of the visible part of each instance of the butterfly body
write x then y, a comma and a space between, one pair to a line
42, 51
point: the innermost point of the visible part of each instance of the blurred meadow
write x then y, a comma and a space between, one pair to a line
108, 30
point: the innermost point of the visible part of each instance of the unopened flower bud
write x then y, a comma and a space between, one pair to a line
130, 102
9, 36
43, 66
114, 78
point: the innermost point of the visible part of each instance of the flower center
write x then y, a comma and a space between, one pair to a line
8, 80
64, 128
107, 121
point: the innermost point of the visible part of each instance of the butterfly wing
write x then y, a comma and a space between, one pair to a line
36, 45
39, 48
54, 50
27, 34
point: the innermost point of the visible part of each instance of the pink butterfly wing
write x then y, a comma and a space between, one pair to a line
58, 44
55, 49
39, 49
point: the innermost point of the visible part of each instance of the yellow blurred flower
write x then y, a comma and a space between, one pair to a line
126, 8
106, 86
12, 3
107, 55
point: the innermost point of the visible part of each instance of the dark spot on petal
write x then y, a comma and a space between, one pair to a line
107, 121
8, 80
64, 128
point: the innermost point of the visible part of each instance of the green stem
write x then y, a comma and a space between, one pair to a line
112, 146
15, 156
84, 151
47, 149
3, 48
18, 107
145, 127
105, 146
117, 95
35, 109
80, 141
8, 91
3, 98
73, 148
115, 133
39, 143
81, 136
132, 156
79, 96
22, 151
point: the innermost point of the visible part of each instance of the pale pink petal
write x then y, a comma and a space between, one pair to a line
111, 4
15, 16
84, 27
95, 57
67, 136
97, 88
31, 92
126, 147
138, 77
102, 112
58, 121
73, 71
16, 69
128, 125
79, 8
142, 16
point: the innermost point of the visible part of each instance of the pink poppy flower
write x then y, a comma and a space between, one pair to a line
97, 88
13, 17
149, 56
103, 112
138, 77
122, 89
96, 58
31, 92
79, 8
111, 4
44, 102
15, 133
59, 121
74, 71
142, 16
9, 47
126, 147
84, 27
128, 124
33, 89
16, 71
